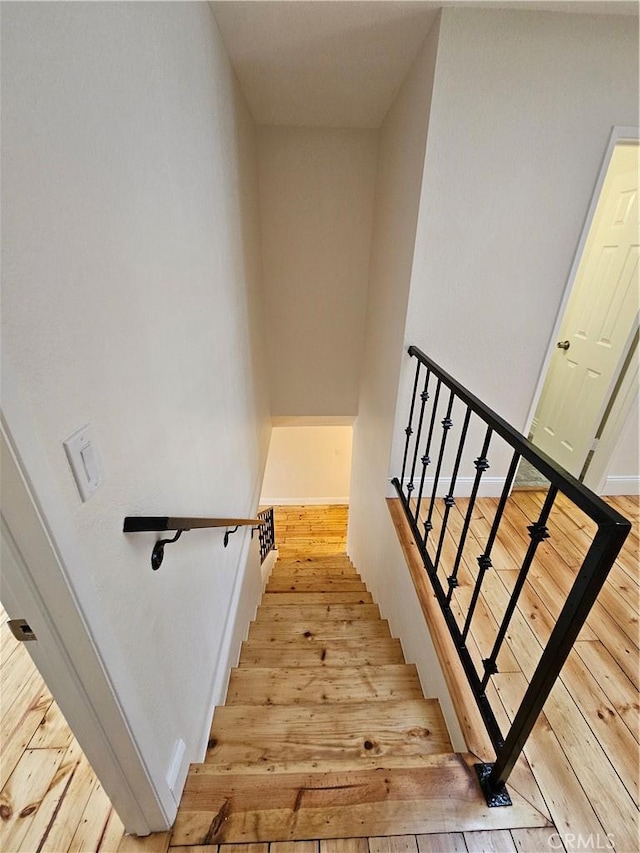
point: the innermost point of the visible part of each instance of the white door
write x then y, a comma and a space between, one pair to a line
599, 321
35, 588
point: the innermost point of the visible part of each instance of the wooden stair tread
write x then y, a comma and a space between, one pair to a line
404, 713
317, 631
277, 599
331, 569
315, 685
337, 572
436, 797
333, 554
295, 644
319, 584
328, 565
299, 612
250, 734
304, 572
329, 653
328, 735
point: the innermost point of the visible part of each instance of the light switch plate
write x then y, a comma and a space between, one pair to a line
85, 462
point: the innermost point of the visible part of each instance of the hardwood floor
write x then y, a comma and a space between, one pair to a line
584, 751
310, 530
50, 799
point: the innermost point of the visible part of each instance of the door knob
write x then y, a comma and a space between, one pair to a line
563, 345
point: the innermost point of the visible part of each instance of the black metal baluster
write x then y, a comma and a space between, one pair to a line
409, 430
266, 533
450, 501
426, 459
484, 560
482, 465
582, 596
447, 423
537, 533
611, 533
424, 396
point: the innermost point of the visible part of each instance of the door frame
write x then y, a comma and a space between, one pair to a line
623, 401
43, 582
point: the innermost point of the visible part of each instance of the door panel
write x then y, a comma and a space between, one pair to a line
598, 322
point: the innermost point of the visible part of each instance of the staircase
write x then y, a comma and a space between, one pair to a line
325, 732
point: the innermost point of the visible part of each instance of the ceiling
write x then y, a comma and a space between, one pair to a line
340, 63
322, 64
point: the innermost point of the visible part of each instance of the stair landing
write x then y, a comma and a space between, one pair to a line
326, 733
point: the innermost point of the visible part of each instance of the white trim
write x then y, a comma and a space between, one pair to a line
490, 487
37, 532
597, 476
621, 486
177, 764
304, 501
228, 655
223, 664
267, 567
618, 134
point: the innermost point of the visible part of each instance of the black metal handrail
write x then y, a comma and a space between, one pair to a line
426, 444
266, 533
155, 523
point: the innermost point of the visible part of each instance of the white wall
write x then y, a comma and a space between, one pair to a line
131, 265
521, 115
316, 202
308, 465
373, 545
519, 108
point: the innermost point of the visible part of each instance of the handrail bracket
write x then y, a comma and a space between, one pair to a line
157, 555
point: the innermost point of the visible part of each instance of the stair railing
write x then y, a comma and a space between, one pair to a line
266, 533
439, 397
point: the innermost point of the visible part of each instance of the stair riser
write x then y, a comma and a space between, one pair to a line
332, 629
329, 654
309, 572
314, 612
278, 599
277, 584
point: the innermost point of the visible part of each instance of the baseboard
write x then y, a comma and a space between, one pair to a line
267, 566
621, 486
490, 487
304, 501
227, 654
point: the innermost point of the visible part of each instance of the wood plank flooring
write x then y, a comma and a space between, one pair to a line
50, 798
302, 531
74, 814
